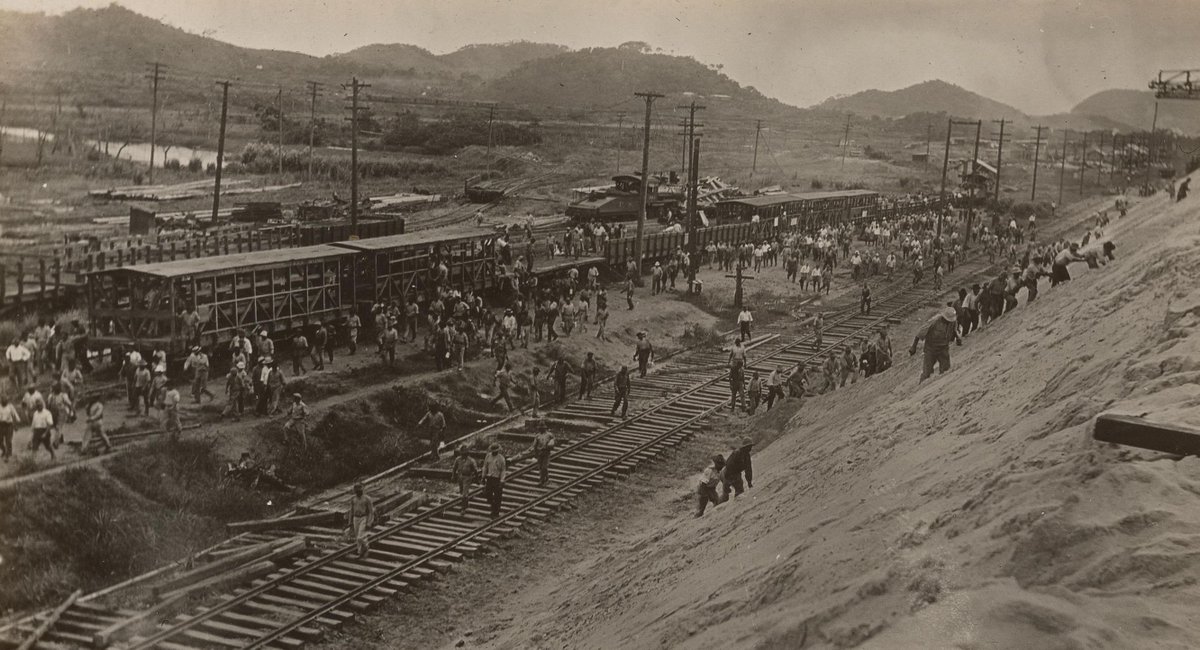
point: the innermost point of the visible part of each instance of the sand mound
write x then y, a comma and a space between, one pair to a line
971, 511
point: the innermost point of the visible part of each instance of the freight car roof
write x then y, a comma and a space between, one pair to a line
775, 199
419, 238
233, 261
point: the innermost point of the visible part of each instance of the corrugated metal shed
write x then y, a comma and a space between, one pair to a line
419, 238
219, 263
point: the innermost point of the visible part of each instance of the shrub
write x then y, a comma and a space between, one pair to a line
817, 184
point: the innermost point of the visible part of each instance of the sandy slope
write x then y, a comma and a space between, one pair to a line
973, 511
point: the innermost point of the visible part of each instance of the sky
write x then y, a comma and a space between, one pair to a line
1041, 56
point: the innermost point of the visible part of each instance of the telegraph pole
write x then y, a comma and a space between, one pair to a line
1082, 162
491, 118
220, 147
1150, 143
154, 116
620, 130
355, 86
928, 135
974, 162
1037, 149
1100, 163
312, 125
945, 169
691, 137
1112, 160
641, 222
999, 159
757, 130
280, 156
693, 190
3, 110
846, 142
1062, 171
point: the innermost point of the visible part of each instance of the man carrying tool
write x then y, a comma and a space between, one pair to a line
644, 353
361, 516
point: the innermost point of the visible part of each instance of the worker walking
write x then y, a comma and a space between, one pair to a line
644, 353
621, 391
297, 421
9, 419
199, 364
170, 401
41, 422
560, 370
737, 465
937, 334
464, 471
774, 387
435, 421
543, 446
587, 376
494, 468
706, 489
744, 321
361, 516
95, 427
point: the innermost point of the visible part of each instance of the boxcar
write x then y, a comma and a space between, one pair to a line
400, 266
806, 210
278, 289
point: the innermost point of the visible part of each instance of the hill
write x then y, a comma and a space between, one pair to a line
930, 97
491, 60
1136, 107
594, 77
393, 57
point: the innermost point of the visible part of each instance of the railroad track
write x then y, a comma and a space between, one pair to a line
327, 585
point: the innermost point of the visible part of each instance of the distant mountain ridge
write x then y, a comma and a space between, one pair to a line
1136, 108
926, 97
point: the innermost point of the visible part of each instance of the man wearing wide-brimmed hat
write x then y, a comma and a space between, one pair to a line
494, 467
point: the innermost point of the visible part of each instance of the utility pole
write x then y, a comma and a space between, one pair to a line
355, 86
846, 142
491, 118
1037, 149
280, 152
220, 148
999, 160
1112, 160
3, 110
1082, 162
757, 130
620, 130
692, 198
1150, 144
928, 135
690, 137
974, 162
1062, 171
312, 125
156, 75
945, 169
1100, 164
641, 222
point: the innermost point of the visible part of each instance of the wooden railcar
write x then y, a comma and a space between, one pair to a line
805, 210
280, 290
397, 267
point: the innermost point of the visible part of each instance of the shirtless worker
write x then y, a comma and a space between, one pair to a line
361, 515
937, 333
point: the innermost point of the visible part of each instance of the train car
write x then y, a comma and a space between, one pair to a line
279, 290
807, 210
400, 266
623, 200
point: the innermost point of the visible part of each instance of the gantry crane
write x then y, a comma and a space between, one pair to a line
1176, 84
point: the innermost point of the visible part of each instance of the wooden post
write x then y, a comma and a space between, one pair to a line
3, 284
57, 277
42, 277
20, 280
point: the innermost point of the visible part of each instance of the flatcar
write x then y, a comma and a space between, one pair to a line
808, 209
149, 306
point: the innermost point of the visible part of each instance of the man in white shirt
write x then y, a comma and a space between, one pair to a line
18, 357
41, 422
744, 320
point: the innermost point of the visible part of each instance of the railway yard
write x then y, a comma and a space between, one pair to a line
392, 348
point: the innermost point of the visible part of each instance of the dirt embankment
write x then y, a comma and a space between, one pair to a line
970, 511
